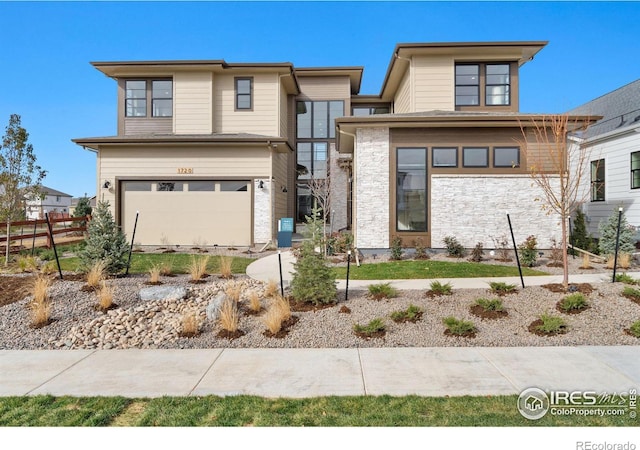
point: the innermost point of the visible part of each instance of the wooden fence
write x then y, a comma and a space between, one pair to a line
35, 233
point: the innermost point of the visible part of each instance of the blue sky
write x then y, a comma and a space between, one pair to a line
46, 47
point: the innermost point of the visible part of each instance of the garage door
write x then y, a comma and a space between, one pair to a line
188, 212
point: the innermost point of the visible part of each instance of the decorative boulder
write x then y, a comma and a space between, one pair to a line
215, 305
155, 293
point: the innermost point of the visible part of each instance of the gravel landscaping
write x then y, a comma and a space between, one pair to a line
76, 323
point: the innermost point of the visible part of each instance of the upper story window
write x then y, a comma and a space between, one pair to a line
483, 84
506, 157
244, 93
444, 156
316, 120
360, 111
597, 180
142, 96
635, 170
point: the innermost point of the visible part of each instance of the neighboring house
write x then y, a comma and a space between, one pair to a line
51, 201
612, 179
215, 152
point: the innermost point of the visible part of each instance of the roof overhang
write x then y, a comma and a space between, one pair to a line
280, 145
520, 51
347, 127
354, 74
126, 69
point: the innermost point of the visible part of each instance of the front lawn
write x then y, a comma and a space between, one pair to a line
243, 411
179, 262
406, 270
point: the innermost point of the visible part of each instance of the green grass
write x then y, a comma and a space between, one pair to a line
631, 292
142, 262
400, 270
241, 411
490, 304
626, 279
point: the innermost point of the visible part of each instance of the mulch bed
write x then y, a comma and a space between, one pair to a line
533, 329
417, 317
628, 331
633, 298
431, 294
479, 311
231, 335
153, 283
345, 310
14, 289
42, 325
307, 306
250, 312
104, 310
584, 288
468, 334
369, 336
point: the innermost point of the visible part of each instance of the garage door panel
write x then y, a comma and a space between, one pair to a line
186, 218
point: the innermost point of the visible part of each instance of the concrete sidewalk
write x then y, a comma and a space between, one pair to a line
298, 373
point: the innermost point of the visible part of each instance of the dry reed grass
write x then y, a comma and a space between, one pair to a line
166, 269
229, 317
96, 274
198, 267
271, 289
225, 266
40, 305
154, 274
283, 305
586, 262
190, 325
105, 296
273, 319
233, 291
624, 260
254, 302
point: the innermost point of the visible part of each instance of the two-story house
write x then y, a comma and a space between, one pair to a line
218, 152
51, 201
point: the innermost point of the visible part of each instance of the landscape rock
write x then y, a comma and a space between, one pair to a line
159, 293
215, 305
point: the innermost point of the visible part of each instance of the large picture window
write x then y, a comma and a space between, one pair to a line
635, 170
316, 120
411, 189
597, 180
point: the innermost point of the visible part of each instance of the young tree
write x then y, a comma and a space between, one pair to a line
83, 208
557, 167
320, 189
105, 242
608, 230
20, 176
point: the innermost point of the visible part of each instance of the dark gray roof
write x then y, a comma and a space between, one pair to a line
619, 108
48, 191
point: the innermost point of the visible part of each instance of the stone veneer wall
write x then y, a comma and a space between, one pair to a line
371, 188
339, 190
261, 211
473, 208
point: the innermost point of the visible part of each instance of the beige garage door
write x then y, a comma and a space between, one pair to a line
188, 213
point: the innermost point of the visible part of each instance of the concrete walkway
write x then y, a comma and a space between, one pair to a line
298, 373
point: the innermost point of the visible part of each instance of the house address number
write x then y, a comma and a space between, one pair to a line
184, 170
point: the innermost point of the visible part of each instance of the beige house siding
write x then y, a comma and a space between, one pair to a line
434, 83
284, 117
402, 101
280, 162
193, 110
262, 119
326, 88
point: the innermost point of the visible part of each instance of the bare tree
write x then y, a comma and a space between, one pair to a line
320, 189
558, 167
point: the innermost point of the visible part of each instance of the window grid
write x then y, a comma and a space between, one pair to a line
244, 91
635, 170
597, 180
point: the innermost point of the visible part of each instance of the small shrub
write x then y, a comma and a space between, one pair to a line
382, 290
40, 305
105, 297
551, 324
229, 317
271, 289
556, 253
313, 281
105, 242
421, 250
626, 279
340, 242
225, 266
477, 253
411, 314
573, 302
396, 248
634, 329
608, 231
190, 326
374, 327
529, 251
501, 288
633, 294
454, 248
254, 302
458, 327
27, 264
154, 274
501, 244
438, 288
490, 305
96, 274
198, 267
